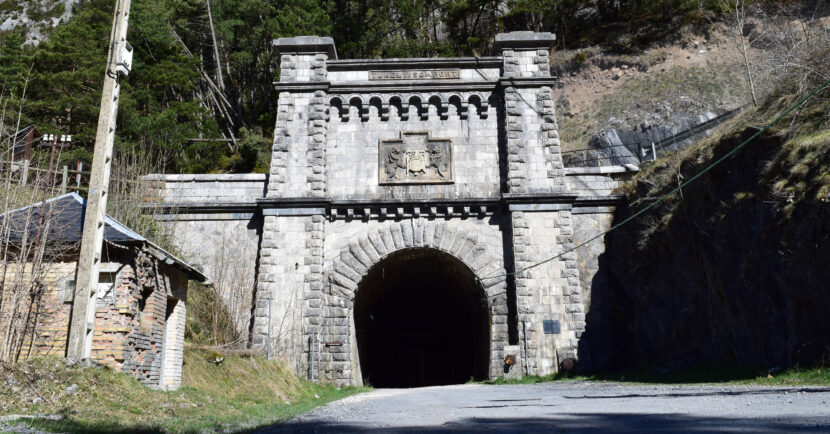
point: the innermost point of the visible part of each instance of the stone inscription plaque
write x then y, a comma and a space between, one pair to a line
416, 74
415, 158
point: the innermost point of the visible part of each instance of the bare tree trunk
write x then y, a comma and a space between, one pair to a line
740, 23
223, 106
219, 78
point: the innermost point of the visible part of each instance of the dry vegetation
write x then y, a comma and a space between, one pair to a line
240, 392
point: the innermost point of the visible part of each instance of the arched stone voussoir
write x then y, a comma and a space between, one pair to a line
447, 238
386, 238
418, 232
429, 233
366, 246
361, 255
346, 277
377, 243
494, 287
348, 258
342, 292
408, 233
460, 245
397, 236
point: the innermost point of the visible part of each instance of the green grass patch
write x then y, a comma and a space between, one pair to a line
239, 393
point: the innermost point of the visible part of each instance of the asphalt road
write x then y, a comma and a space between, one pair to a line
573, 407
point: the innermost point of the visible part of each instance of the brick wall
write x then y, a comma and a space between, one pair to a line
47, 327
132, 326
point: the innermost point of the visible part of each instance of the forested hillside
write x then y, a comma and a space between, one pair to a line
199, 97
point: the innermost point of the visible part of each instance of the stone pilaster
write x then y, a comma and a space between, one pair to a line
291, 278
535, 173
316, 153
574, 316
279, 154
522, 245
550, 137
533, 154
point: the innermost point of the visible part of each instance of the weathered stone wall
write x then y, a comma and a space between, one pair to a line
587, 224
189, 190
214, 223
283, 288
226, 249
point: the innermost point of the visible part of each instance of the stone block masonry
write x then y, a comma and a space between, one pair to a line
472, 216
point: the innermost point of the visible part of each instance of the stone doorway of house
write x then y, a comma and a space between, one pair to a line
421, 320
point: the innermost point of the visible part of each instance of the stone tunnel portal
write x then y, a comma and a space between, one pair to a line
421, 320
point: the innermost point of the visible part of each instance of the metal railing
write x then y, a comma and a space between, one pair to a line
645, 151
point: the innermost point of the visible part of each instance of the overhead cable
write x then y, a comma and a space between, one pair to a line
673, 191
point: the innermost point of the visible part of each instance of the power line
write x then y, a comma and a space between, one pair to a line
673, 191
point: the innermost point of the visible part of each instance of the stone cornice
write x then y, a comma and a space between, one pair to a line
301, 86
601, 170
238, 177
410, 86
524, 82
396, 208
305, 45
592, 201
551, 197
202, 207
524, 40
404, 86
429, 62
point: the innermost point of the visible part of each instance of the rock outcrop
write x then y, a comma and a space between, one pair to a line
732, 275
34, 18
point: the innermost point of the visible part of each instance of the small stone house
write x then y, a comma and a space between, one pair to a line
141, 297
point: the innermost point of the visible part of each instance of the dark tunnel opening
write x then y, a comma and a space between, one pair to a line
421, 320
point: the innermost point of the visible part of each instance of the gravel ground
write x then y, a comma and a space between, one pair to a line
573, 407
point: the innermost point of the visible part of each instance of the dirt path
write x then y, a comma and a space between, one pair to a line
574, 407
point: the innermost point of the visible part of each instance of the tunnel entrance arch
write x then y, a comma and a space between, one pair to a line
421, 319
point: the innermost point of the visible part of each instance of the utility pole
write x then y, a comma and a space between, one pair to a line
119, 61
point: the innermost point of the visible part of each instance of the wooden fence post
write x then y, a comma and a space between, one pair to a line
63, 179
25, 176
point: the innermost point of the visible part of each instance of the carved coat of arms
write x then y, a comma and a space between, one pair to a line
415, 158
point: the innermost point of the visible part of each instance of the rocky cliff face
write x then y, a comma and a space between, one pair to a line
733, 275
34, 18
614, 146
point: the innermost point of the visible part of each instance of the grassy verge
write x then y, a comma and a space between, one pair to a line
239, 393
733, 377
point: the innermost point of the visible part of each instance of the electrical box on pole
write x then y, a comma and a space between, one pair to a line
119, 61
